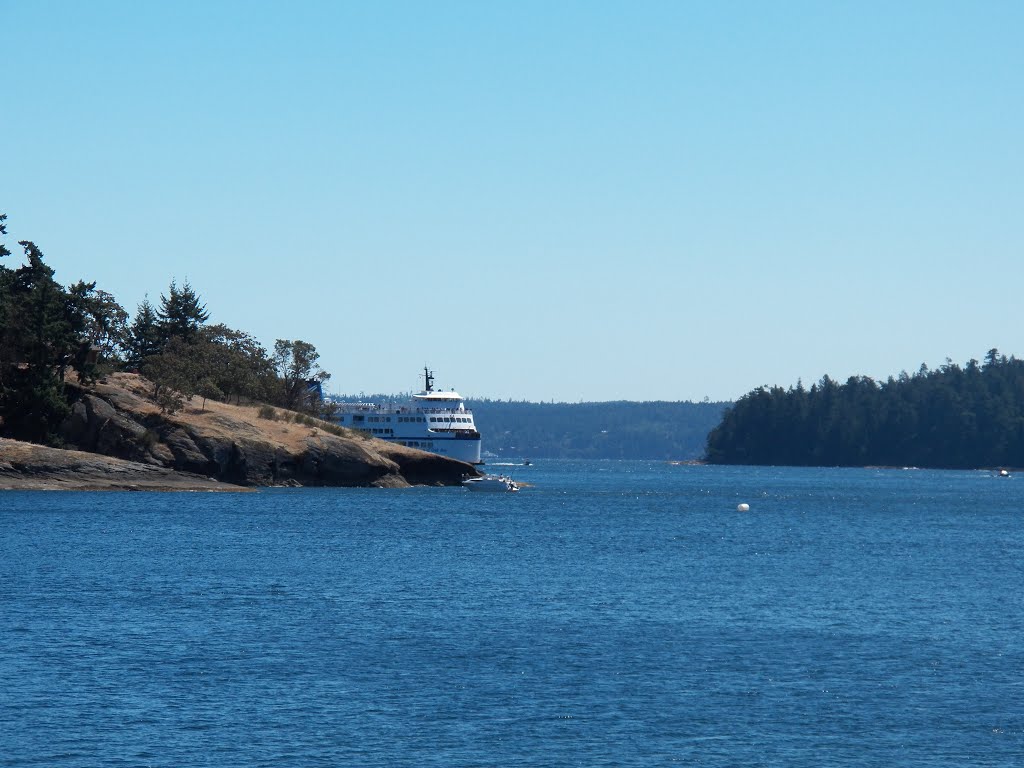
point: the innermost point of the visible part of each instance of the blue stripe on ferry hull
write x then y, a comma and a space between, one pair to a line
445, 445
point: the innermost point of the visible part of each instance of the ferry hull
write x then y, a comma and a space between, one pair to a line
459, 449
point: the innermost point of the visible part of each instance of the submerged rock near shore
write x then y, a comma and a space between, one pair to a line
122, 440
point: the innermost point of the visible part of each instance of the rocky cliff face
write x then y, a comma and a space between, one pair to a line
231, 444
29, 467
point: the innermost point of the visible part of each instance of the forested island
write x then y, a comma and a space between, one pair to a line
956, 417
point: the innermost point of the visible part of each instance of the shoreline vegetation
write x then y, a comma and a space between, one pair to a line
171, 401
166, 390
956, 417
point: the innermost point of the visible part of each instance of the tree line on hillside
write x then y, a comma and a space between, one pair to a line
610, 430
49, 332
954, 417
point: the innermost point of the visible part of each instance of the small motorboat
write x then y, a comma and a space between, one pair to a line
491, 483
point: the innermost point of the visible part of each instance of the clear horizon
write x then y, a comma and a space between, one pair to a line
569, 202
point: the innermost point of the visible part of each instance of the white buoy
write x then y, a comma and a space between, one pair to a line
1003, 473
742, 507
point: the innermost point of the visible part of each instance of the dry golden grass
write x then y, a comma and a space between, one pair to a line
133, 394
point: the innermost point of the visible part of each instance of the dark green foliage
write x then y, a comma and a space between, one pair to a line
106, 322
950, 418
144, 337
209, 365
176, 374
104, 329
3, 231
42, 318
33, 407
47, 331
181, 313
183, 357
220, 363
44, 333
296, 364
237, 364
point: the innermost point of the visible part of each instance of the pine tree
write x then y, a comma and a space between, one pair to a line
106, 322
181, 313
40, 340
144, 335
964, 417
6, 277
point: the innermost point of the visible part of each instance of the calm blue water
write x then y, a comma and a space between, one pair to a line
614, 614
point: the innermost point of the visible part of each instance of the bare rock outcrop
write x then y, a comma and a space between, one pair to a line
232, 444
25, 466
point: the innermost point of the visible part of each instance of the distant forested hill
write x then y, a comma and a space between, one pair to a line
954, 417
613, 430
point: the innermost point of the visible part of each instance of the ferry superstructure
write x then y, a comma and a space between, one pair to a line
434, 421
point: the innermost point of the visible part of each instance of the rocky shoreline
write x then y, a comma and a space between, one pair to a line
28, 467
119, 440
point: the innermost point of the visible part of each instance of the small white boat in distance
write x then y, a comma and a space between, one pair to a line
491, 483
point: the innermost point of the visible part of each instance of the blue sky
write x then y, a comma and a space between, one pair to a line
545, 201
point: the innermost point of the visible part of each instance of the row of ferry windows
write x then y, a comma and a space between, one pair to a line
417, 419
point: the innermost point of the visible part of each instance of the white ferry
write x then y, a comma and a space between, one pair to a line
432, 421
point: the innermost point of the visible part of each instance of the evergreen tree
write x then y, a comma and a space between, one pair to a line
3, 231
45, 332
181, 313
949, 418
144, 335
6, 280
106, 324
40, 340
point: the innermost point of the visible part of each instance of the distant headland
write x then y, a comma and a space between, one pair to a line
956, 417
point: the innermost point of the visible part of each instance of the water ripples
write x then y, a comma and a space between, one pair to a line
618, 614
